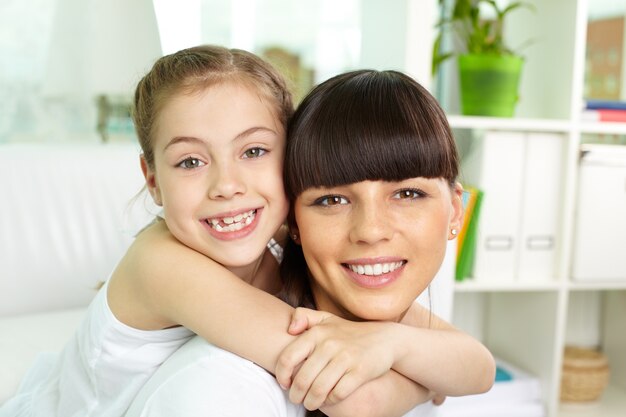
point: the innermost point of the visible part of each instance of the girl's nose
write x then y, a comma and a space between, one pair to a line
225, 182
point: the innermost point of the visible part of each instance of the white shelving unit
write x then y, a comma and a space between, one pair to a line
528, 323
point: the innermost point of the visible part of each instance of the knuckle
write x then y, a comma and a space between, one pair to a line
284, 362
300, 385
317, 392
336, 396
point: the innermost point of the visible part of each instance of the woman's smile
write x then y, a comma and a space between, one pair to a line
374, 273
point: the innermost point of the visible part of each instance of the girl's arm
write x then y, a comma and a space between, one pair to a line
441, 358
161, 283
387, 396
468, 366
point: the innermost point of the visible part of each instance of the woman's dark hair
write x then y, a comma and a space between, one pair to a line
358, 126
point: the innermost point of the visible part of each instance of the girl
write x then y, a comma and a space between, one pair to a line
211, 125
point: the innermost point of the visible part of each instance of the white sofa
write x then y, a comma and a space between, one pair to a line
68, 213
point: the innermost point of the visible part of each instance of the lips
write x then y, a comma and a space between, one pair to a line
375, 269
374, 274
233, 225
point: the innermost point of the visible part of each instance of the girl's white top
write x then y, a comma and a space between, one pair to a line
99, 371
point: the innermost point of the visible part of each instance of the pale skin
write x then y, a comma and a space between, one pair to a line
182, 271
401, 227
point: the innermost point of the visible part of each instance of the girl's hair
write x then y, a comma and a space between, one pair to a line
194, 69
358, 126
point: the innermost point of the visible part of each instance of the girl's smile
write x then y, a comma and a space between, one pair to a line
234, 225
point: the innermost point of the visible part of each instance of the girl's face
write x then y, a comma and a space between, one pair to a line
218, 158
372, 247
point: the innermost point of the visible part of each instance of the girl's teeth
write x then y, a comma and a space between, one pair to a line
232, 224
375, 269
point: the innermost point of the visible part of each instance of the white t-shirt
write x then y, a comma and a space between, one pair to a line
202, 380
99, 371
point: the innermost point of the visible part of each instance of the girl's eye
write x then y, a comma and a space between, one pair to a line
409, 193
254, 152
330, 200
190, 163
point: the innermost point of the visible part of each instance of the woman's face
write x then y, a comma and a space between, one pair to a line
372, 247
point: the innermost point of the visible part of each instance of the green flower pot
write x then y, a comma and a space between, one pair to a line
489, 84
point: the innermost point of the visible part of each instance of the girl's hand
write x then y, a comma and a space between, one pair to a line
333, 357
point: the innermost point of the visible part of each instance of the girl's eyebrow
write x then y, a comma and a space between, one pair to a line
244, 134
253, 130
181, 139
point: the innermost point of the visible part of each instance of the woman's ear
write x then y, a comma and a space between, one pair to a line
294, 232
151, 181
456, 215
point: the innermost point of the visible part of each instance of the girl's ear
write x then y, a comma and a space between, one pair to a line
456, 215
151, 181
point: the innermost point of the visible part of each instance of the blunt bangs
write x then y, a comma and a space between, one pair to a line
367, 125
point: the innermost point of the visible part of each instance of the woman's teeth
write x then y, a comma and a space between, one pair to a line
232, 224
375, 269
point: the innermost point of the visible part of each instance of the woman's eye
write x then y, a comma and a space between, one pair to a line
331, 200
254, 152
190, 163
409, 193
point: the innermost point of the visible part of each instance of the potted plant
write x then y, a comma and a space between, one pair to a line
489, 70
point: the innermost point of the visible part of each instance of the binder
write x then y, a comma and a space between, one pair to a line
541, 205
600, 225
495, 164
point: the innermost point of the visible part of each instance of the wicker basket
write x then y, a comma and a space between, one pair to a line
585, 375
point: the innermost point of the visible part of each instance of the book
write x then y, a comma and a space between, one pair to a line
593, 104
466, 244
495, 164
604, 115
540, 218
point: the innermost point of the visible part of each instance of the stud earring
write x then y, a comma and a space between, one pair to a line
454, 232
294, 237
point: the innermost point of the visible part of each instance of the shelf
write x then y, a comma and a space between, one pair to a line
604, 128
506, 286
600, 285
508, 123
469, 285
612, 404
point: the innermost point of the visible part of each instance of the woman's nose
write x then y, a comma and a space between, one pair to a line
370, 223
225, 182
